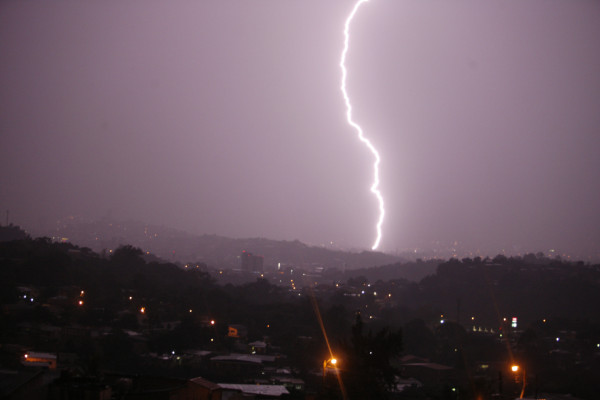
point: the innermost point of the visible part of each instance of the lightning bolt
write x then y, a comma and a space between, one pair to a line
361, 136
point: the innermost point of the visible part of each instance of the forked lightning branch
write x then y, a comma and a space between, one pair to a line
359, 130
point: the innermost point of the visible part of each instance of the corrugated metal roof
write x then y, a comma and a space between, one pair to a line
263, 390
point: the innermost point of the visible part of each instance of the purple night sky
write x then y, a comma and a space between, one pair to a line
226, 117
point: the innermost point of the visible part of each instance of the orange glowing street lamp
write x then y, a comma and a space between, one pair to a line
515, 369
329, 363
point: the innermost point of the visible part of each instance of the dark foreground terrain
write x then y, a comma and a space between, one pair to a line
76, 324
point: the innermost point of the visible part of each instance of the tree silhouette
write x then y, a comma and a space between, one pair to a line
127, 255
369, 372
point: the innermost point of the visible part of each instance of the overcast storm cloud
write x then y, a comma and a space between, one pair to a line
226, 117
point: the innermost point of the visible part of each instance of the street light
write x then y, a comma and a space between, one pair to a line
515, 369
329, 363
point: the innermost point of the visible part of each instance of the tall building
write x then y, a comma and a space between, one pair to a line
251, 263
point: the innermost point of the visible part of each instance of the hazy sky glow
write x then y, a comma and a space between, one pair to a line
226, 117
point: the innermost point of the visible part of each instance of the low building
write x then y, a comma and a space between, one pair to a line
162, 388
203, 389
238, 366
237, 391
36, 359
430, 374
290, 383
258, 347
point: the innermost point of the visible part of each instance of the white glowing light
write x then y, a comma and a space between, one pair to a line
367, 142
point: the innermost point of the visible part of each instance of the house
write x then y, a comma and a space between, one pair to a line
162, 388
292, 384
430, 374
237, 366
202, 389
237, 391
258, 347
37, 359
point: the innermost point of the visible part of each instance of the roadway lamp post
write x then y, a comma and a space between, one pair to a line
328, 388
515, 369
329, 363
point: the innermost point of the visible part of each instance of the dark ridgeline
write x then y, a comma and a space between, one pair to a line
176, 245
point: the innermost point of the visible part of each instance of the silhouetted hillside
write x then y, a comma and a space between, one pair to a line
530, 288
217, 251
412, 271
